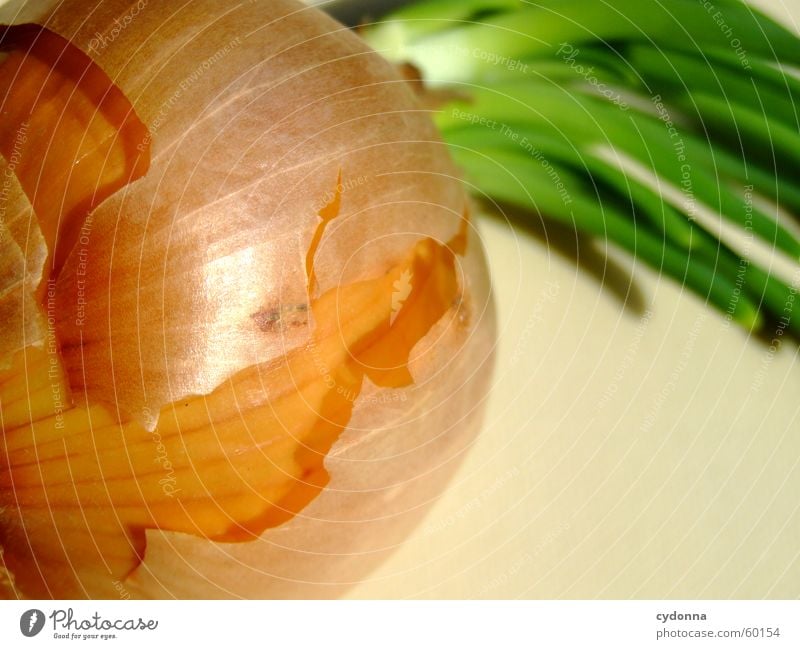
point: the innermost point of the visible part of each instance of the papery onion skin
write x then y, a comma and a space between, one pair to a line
189, 282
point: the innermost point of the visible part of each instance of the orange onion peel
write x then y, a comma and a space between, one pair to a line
224, 371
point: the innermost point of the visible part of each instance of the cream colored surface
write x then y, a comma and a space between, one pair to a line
627, 453
646, 453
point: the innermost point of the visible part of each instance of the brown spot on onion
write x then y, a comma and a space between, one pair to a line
206, 452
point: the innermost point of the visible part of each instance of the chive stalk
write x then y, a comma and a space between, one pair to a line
701, 100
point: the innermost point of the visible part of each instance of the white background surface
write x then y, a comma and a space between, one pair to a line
399, 625
624, 454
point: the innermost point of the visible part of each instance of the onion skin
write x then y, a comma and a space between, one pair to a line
285, 186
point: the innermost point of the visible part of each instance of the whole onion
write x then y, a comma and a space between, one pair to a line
246, 322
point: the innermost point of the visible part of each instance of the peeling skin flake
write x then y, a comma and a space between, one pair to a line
206, 355
76, 136
228, 469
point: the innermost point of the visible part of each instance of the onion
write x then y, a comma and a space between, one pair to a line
246, 322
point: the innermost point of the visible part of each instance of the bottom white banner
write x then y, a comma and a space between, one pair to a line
375, 624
